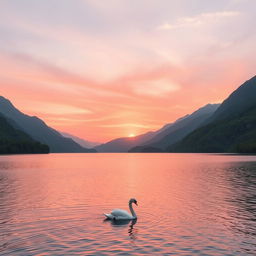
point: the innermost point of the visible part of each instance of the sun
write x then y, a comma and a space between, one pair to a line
131, 135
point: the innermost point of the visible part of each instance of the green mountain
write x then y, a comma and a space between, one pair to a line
14, 141
39, 131
241, 100
232, 128
178, 130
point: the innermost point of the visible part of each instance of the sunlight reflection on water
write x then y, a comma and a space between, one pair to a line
189, 204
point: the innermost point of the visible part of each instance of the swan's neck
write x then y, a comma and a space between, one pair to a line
132, 211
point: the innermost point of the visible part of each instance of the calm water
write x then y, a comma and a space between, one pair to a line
189, 204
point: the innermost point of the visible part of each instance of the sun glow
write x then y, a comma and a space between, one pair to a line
131, 135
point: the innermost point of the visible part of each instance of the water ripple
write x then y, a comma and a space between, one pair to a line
188, 204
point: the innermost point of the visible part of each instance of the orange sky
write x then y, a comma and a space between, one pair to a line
102, 70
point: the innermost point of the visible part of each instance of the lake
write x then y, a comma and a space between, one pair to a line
188, 204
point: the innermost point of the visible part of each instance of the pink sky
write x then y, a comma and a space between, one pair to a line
107, 69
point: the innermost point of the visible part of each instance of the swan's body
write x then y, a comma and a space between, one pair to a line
118, 214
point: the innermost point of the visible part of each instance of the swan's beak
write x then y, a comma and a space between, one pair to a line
136, 203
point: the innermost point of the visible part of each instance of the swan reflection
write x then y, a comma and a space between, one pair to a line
131, 231
118, 223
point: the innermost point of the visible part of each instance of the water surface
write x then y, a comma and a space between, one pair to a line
189, 204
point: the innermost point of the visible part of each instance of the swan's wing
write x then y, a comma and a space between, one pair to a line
120, 214
109, 216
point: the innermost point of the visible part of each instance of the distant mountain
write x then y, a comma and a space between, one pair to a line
145, 149
124, 144
178, 130
14, 141
157, 141
39, 131
81, 142
232, 128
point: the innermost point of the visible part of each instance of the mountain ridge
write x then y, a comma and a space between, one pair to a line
39, 130
231, 129
123, 144
82, 142
179, 129
15, 141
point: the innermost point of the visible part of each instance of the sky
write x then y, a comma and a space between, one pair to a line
103, 69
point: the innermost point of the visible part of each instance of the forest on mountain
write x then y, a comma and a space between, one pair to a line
14, 141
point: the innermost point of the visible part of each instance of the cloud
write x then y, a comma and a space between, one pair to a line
155, 87
125, 125
54, 77
90, 55
203, 18
59, 109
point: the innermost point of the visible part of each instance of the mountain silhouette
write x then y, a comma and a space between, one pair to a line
232, 128
39, 131
14, 141
178, 130
80, 141
124, 144
157, 141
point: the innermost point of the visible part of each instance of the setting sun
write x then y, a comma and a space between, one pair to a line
131, 135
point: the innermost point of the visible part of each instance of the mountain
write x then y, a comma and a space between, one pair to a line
232, 128
238, 102
81, 142
14, 141
39, 131
145, 149
124, 144
178, 130
157, 141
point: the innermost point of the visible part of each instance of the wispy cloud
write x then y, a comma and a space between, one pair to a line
161, 87
201, 19
59, 109
101, 68
125, 125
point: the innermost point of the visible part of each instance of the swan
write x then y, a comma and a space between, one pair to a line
118, 214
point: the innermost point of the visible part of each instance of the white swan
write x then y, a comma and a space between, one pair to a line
118, 214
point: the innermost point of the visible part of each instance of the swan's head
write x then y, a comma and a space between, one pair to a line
133, 200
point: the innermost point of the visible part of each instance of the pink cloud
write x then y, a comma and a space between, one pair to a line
105, 75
